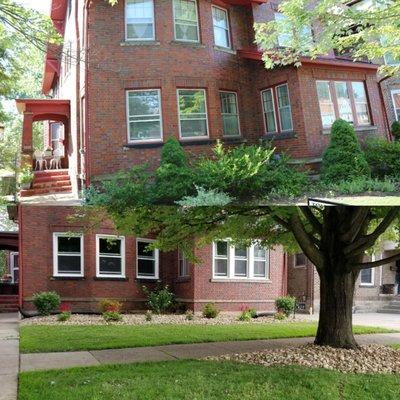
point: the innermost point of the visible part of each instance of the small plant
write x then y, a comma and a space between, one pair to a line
280, 316
112, 316
189, 315
396, 130
159, 300
46, 302
210, 311
245, 316
286, 305
108, 305
65, 312
26, 177
148, 316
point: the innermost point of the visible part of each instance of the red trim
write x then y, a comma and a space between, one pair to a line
20, 251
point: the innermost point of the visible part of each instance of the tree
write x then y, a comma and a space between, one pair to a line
368, 29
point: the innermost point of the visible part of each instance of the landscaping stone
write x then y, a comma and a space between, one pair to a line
367, 359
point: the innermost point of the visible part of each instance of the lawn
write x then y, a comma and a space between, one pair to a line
208, 380
41, 338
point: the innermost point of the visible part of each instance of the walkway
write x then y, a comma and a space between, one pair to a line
9, 356
43, 361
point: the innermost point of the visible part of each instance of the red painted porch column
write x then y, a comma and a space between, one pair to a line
27, 140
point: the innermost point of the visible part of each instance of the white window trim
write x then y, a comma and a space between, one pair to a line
264, 112
13, 254
157, 260
330, 99
228, 27
392, 93
372, 283
290, 106
56, 235
231, 265
139, 39
179, 115
159, 140
198, 23
238, 113
122, 256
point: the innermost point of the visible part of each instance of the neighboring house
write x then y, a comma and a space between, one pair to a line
127, 78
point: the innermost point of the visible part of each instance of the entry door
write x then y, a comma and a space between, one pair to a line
57, 137
14, 258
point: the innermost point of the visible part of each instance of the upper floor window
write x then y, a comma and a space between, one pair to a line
139, 19
230, 113
147, 260
221, 27
67, 254
144, 115
237, 262
110, 255
192, 113
285, 38
343, 99
186, 23
396, 103
277, 109
67, 58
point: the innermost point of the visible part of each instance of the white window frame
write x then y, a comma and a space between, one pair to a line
231, 264
238, 113
330, 99
372, 282
271, 89
139, 39
56, 235
226, 12
156, 260
161, 138
278, 109
392, 93
185, 264
179, 115
13, 255
122, 256
198, 24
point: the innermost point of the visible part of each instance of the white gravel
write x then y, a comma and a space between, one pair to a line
367, 359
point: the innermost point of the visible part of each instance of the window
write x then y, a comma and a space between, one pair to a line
139, 19
232, 262
230, 114
277, 107
57, 137
284, 39
192, 113
144, 115
221, 27
183, 265
396, 103
367, 277
110, 256
146, 259
343, 99
300, 260
14, 267
186, 22
67, 58
67, 254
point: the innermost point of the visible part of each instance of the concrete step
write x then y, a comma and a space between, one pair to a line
8, 310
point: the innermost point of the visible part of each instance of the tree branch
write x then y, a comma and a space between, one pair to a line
312, 219
357, 224
378, 263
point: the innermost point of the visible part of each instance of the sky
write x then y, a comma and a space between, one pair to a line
40, 5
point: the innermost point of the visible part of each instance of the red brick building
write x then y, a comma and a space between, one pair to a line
126, 78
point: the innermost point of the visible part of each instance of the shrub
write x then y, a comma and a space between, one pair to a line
363, 184
343, 159
280, 316
148, 316
107, 305
112, 316
210, 311
159, 300
396, 130
46, 302
26, 176
286, 304
383, 157
245, 316
253, 312
189, 315
63, 316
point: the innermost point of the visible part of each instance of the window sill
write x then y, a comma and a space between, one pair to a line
67, 278
110, 278
195, 141
147, 280
225, 50
128, 43
183, 279
144, 145
279, 136
367, 286
188, 44
358, 129
227, 280
233, 139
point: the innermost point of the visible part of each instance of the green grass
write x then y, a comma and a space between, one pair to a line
208, 380
397, 346
41, 338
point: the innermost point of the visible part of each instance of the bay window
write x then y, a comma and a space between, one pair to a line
67, 255
186, 23
139, 19
230, 113
221, 27
110, 256
396, 103
147, 260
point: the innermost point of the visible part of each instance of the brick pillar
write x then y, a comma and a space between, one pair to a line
27, 140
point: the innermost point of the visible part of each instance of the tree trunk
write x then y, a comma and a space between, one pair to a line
335, 316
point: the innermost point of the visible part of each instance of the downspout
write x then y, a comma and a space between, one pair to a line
87, 116
285, 274
312, 294
20, 254
387, 122
78, 85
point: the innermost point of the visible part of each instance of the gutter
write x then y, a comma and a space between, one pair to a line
386, 117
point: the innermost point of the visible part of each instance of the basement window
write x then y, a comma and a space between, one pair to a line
67, 255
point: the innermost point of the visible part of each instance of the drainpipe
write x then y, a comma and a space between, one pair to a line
78, 85
87, 116
387, 122
20, 254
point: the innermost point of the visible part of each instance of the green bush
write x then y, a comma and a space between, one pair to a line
245, 316
159, 300
343, 159
362, 185
280, 316
46, 302
189, 315
148, 316
112, 316
383, 157
253, 312
210, 311
63, 316
286, 304
396, 130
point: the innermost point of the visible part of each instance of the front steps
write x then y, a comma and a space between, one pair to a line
8, 303
391, 308
49, 182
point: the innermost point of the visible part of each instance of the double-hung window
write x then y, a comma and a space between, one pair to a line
221, 27
110, 252
183, 265
67, 254
367, 277
343, 99
396, 103
192, 113
144, 115
230, 113
139, 19
238, 262
147, 260
186, 22
277, 109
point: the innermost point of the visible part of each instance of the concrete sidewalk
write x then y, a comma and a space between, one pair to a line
9, 355
43, 361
